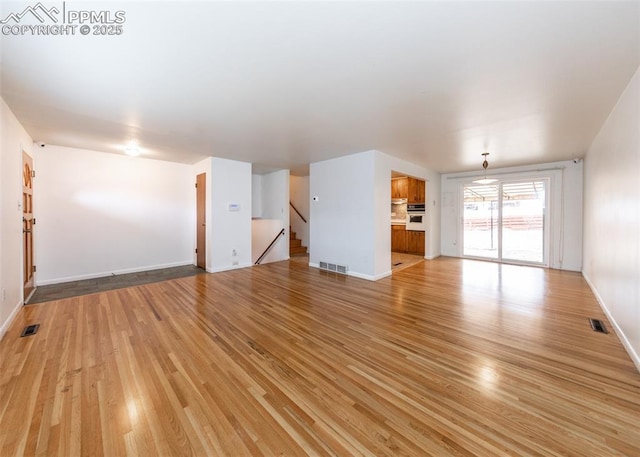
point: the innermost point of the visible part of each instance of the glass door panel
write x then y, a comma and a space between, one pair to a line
523, 210
480, 221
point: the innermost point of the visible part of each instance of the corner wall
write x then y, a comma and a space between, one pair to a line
350, 223
13, 141
612, 218
343, 217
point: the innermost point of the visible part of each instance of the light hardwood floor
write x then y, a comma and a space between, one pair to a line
448, 357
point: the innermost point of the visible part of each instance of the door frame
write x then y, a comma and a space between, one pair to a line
201, 220
28, 223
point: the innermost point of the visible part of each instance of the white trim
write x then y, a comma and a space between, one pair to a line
386, 274
431, 257
118, 272
355, 274
635, 357
9, 321
234, 267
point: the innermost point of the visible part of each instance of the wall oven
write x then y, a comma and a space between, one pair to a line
416, 217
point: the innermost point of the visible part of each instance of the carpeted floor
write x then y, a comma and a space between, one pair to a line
90, 286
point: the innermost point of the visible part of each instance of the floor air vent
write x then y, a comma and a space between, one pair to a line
30, 330
597, 325
342, 269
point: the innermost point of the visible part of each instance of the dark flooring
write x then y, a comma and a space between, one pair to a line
90, 286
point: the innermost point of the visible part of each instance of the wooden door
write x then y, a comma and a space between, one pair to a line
201, 213
27, 225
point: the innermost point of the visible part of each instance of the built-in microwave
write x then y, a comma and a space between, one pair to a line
415, 208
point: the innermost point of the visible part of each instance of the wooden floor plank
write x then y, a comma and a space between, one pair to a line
446, 357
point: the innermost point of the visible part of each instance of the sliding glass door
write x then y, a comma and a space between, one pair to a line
506, 221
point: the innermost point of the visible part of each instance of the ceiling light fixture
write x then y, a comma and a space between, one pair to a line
132, 150
485, 164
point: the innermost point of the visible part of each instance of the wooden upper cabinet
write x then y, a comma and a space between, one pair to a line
399, 188
415, 191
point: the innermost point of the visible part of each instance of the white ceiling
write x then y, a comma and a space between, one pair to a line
286, 84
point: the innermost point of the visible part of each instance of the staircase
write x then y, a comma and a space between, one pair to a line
295, 245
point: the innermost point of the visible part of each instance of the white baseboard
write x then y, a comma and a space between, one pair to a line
386, 274
111, 273
355, 274
229, 267
7, 323
635, 358
431, 257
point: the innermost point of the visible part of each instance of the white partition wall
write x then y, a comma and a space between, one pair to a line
229, 246
350, 212
342, 213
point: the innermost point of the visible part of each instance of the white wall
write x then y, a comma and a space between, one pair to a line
565, 212
256, 195
342, 220
262, 234
299, 195
275, 205
100, 214
612, 217
13, 141
231, 230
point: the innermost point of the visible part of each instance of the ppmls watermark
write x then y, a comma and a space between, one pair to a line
40, 20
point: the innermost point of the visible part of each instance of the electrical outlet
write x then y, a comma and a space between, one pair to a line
234, 253
4, 295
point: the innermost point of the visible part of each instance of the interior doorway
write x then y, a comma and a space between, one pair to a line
27, 226
506, 221
201, 221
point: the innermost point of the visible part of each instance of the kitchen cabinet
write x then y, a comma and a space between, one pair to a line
399, 188
415, 242
398, 238
415, 191
406, 241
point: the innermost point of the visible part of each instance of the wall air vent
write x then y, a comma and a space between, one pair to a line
334, 268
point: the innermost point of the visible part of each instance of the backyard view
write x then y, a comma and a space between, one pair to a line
507, 228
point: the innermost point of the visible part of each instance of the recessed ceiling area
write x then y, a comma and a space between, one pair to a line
284, 84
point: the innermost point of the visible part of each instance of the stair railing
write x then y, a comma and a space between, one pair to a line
298, 213
266, 251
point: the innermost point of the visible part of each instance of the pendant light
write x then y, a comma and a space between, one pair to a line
485, 164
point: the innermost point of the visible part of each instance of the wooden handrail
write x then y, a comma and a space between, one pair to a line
280, 233
298, 213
